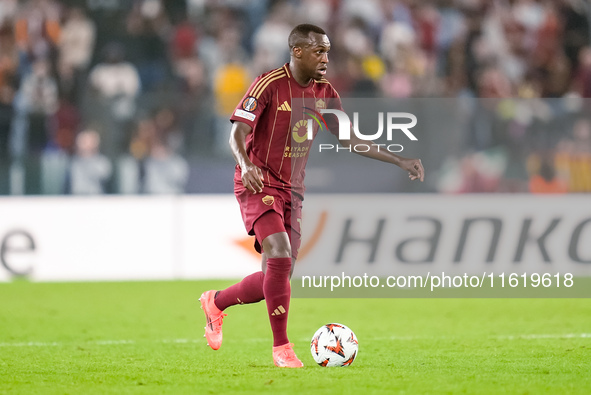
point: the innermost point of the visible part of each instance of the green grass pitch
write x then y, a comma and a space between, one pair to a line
146, 338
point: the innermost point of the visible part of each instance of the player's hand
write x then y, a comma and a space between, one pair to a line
252, 179
414, 168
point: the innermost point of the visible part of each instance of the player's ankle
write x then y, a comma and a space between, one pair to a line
282, 345
212, 304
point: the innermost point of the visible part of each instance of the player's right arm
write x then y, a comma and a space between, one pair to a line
245, 119
252, 176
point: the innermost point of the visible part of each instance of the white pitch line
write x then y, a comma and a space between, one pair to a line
30, 344
256, 339
184, 341
546, 336
499, 337
111, 342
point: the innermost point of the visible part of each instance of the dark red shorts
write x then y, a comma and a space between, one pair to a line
284, 203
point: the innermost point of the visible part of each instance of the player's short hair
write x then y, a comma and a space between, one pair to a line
300, 34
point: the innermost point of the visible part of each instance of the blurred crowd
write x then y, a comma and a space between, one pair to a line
129, 96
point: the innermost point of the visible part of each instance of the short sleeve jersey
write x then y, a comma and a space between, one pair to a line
278, 109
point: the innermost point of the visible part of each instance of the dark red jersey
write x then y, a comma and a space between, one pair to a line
278, 109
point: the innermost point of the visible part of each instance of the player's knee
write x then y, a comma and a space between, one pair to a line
277, 246
279, 252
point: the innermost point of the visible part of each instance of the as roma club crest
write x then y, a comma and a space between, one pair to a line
249, 104
269, 200
320, 105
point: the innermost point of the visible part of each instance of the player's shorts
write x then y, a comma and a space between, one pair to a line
284, 203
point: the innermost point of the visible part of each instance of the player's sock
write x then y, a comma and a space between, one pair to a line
277, 293
249, 290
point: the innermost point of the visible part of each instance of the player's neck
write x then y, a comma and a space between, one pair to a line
297, 75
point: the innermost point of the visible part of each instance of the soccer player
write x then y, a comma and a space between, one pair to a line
268, 183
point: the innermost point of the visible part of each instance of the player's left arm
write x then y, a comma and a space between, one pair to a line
413, 166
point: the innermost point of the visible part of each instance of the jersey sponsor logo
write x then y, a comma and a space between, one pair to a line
250, 104
307, 124
295, 151
295, 135
269, 200
284, 107
246, 115
295, 131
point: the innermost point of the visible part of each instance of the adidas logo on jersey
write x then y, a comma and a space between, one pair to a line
285, 106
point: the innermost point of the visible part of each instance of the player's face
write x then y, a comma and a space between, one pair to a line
315, 56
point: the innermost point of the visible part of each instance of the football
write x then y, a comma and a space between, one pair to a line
334, 345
